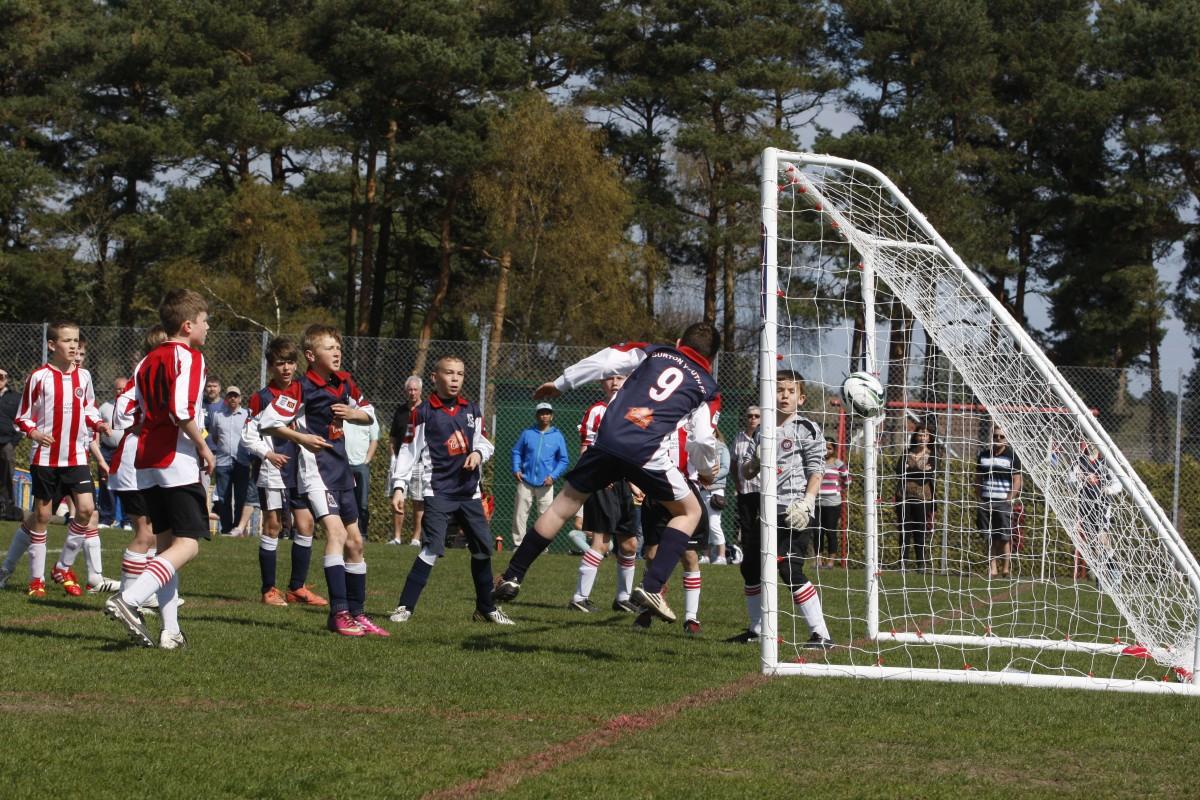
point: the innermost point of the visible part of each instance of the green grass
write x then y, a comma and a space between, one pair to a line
266, 704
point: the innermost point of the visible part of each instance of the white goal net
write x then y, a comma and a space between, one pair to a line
944, 563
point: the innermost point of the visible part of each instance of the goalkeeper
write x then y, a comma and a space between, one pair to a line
800, 458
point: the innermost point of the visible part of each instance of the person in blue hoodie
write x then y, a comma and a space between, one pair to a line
539, 458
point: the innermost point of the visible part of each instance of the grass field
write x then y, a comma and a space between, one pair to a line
266, 704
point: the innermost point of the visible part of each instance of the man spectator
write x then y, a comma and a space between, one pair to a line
748, 490
233, 468
10, 401
539, 458
110, 507
212, 398
361, 443
997, 483
413, 390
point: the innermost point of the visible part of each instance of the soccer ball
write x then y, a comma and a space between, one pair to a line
863, 394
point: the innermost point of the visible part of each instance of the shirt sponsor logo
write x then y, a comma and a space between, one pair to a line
456, 445
641, 416
285, 404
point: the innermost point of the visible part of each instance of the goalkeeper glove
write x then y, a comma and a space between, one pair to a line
800, 512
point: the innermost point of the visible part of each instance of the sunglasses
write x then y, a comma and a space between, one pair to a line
753, 416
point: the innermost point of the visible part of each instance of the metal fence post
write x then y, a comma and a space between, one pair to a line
483, 360
262, 368
1178, 449
45, 344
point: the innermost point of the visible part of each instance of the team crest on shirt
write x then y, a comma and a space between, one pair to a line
641, 416
79, 393
285, 404
331, 501
787, 444
456, 445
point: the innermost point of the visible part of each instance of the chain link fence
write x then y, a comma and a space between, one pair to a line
1158, 427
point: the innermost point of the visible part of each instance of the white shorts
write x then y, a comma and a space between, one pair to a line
271, 499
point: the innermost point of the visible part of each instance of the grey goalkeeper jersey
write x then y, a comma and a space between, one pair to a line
800, 454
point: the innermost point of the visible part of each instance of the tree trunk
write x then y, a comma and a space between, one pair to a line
445, 253
410, 260
497, 334
897, 383
379, 289
368, 240
278, 175
729, 265
352, 246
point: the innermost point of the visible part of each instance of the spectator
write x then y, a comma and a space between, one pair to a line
110, 507
233, 461
714, 502
361, 443
998, 482
539, 458
916, 472
10, 401
749, 493
413, 390
832, 494
212, 399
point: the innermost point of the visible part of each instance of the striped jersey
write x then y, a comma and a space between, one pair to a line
996, 471
834, 481
169, 384
441, 435
122, 476
63, 405
665, 386
590, 426
270, 476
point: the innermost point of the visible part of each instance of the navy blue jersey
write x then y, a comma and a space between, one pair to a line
666, 387
441, 434
312, 413
268, 476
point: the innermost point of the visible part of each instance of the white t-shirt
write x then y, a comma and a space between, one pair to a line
358, 441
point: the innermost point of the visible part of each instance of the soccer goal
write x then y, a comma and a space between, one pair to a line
1093, 588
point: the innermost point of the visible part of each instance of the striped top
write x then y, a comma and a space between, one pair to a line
834, 481
170, 388
63, 405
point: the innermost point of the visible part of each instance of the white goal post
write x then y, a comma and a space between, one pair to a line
1098, 591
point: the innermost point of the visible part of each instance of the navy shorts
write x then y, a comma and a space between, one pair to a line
469, 516
181, 510
53, 484
330, 502
597, 469
655, 519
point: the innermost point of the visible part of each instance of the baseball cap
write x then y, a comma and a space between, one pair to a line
543, 407
233, 390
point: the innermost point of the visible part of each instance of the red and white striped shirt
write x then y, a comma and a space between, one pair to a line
122, 476
590, 425
63, 405
169, 387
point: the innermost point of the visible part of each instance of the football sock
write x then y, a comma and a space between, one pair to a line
132, 565
691, 595
356, 586
418, 576
37, 555
91, 556
301, 557
481, 573
809, 601
16, 549
168, 604
754, 607
531, 547
157, 573
670, 548
335, 580
267, 557
625, 567
72, 546
587, 574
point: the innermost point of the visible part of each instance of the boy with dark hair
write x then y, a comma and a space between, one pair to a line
328, 398
58, 412
171, 451
800, 462
666, 385
445, 434
278, 483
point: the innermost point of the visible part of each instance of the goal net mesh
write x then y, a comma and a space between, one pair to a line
1096, 582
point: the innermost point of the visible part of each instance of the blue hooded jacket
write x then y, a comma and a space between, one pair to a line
540, 453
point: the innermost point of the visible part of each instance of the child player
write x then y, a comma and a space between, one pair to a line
58, 412
171, 451
445, 434
666, 385
800, 459
278, 483
328, 398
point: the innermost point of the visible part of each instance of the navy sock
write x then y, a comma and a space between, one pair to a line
670, 548
531, 547
481, 573
335, 579
266, 568
356, 591
414, 584
301, 557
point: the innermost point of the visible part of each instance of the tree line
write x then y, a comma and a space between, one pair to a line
561, 171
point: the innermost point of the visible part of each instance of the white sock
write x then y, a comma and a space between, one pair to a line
809, 601
132, 565
302, 541
168, 604
269, 544
625, 567
20, 543
691, 595
157, 574
71, 547
587, 574
37, 555
91, 555
754, 606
